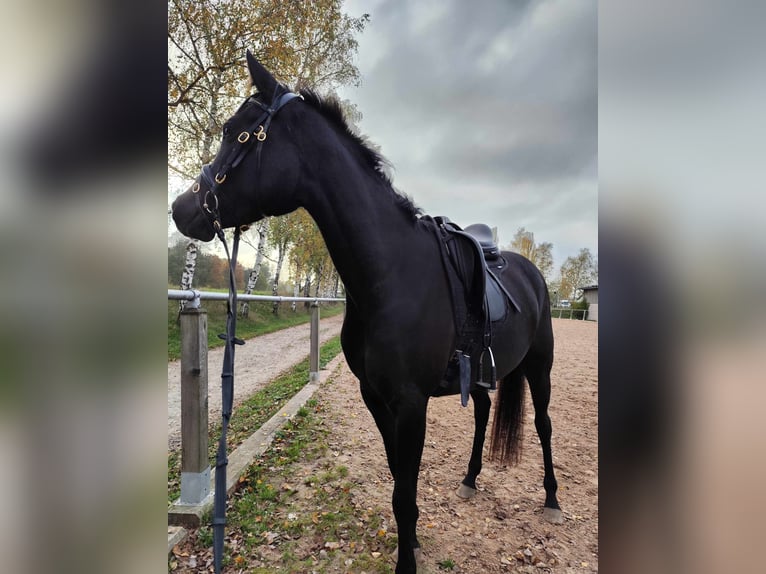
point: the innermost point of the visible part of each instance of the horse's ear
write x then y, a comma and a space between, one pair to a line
260, 76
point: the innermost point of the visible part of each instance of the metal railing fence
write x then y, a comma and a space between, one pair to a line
195, 466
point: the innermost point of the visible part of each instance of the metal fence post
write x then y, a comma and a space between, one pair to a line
314, 352
195, 466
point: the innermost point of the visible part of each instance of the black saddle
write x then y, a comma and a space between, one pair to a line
479, 299
476, 243
483, 234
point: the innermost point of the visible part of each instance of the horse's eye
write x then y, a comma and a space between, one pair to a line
225, 131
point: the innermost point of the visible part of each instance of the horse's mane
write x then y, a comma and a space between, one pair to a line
331, 110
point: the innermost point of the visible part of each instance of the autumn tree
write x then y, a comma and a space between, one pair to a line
309, 256
302, 43
577, 272
541, 254
282, 232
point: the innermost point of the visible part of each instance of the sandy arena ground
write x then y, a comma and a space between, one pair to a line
501, 529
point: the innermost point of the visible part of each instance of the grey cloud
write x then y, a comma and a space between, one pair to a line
493, 96
533, 116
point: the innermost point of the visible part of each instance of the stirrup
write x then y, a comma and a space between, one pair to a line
492, 384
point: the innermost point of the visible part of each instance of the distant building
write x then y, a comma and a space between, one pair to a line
590, 294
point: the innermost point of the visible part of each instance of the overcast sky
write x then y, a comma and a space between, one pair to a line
487, 110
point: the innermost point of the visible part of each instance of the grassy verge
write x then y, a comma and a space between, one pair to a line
253, 412
312, 526
294, 511
260, 321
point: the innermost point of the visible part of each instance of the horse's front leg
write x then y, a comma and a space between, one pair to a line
384, 420
410, 424
481, 404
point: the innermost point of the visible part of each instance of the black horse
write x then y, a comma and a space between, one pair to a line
399, 333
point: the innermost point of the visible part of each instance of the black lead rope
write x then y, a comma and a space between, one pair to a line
227, 392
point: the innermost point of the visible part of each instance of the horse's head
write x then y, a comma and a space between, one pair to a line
255, 172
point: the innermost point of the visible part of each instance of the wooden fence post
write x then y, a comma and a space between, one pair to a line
314, 352
195, 465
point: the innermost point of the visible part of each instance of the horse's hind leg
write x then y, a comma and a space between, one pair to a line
538, 372
481, 404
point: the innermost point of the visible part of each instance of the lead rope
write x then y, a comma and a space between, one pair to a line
227, 392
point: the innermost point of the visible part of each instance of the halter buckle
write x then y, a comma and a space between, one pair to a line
195, 188
260, 135
219, 179
243, 137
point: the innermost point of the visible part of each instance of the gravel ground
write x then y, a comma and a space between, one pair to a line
256, 363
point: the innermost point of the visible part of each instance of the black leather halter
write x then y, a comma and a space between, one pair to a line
209, 183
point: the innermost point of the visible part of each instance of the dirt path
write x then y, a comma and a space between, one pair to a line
501, 529
257, 362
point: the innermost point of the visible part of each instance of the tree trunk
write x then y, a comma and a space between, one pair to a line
336, 285
256, 272
319, 282
296, 291
188, 275
275, 286
211, 131
307, 289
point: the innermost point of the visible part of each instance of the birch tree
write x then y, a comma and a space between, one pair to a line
188, 273
335, 282
282, 232
296, 292
260, 253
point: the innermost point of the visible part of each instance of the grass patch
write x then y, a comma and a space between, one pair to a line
260, 321
294, 511
252, 413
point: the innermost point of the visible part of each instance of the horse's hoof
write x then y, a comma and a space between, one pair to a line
553, 515
466, 492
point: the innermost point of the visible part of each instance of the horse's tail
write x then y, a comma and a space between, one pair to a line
508, 426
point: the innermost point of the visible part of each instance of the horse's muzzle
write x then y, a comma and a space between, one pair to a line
189, 218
